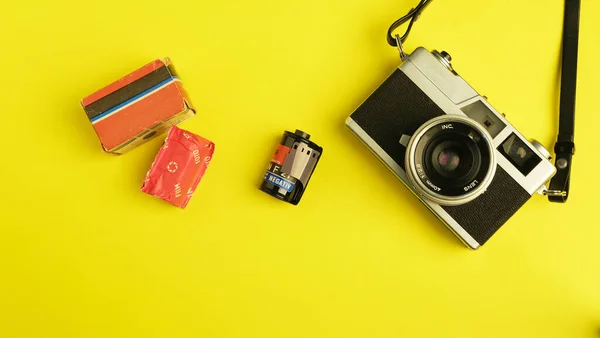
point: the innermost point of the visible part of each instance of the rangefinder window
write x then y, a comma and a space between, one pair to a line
479, 112
519, 154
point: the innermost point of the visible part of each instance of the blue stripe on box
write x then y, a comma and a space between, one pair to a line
133, 99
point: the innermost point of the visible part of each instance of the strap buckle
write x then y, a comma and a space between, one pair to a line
564, 147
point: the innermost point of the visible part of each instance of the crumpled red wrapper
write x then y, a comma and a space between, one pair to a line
178, 167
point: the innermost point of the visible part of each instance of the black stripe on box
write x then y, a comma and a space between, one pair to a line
123, 94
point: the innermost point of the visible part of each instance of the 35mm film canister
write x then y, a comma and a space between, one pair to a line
291, 167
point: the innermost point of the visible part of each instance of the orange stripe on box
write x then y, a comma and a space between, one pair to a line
124, 81
131, 121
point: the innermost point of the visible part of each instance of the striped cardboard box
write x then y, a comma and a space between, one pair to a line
138, 107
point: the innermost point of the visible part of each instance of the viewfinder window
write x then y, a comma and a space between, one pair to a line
519, 154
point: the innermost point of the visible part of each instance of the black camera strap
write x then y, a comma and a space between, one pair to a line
396, 40
564, 148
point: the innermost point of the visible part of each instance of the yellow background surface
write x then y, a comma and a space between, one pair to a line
84, 253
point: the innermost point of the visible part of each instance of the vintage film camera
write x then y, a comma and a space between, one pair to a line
461, 157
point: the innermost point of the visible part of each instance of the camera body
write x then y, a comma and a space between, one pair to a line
461, 157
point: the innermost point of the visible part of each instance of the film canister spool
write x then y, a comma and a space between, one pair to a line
291, 167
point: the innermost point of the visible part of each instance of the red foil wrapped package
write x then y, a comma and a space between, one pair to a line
178, 167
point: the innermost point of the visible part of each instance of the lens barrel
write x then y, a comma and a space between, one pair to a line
450, 160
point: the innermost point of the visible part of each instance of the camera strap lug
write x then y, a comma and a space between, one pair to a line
554, 193
403, 54
564, 148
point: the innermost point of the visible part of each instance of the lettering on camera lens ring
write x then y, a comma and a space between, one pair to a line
420, 171
471, 186
433, 186
424, 177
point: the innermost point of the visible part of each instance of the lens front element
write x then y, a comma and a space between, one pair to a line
450, 160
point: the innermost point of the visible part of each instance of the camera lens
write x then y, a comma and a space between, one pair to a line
450, 160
